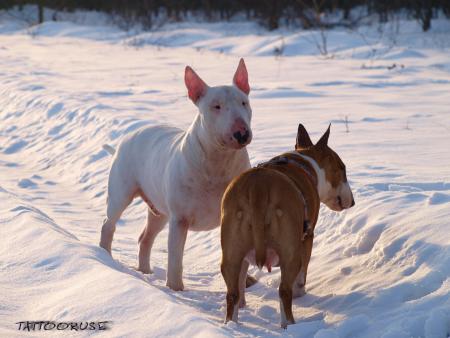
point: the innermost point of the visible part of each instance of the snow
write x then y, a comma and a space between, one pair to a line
380, 269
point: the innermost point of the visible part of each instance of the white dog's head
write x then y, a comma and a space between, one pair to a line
224, 110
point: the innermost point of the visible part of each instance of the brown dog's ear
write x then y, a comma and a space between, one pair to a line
324, 139
240, 78
195, 85
303, 139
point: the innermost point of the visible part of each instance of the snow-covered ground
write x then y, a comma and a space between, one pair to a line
380, 269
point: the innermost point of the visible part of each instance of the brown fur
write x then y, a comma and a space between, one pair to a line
257, 229
307, 187
264, 208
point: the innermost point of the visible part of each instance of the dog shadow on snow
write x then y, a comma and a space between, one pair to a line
265, 318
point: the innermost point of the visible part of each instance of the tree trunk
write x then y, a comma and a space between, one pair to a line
40, 12
426, 19
274, 14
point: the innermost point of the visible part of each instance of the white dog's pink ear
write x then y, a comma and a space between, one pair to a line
195, 85
240, 78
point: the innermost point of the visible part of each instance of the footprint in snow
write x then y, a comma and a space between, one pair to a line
366, 241
438, 198
55, 110
115, 93
55, 130
15, 147
32, 88
27, 183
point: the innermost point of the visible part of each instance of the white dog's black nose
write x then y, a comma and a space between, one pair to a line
241, 137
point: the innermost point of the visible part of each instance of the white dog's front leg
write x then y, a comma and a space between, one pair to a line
177, 238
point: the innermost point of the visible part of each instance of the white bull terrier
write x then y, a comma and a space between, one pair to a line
182, 175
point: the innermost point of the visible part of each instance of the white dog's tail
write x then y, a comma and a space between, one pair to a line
109, 149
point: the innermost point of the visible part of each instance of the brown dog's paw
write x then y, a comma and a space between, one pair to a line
284, 323
250, 281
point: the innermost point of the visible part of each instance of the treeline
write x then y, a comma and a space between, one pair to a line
271, 13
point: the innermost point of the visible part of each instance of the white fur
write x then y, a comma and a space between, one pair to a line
298, 289
328, 194
346, 194
283, 319
323, 186
235, 313
182, 174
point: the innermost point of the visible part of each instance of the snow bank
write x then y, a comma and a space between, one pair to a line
50, 275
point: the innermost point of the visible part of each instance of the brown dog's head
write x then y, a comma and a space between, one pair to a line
332, 185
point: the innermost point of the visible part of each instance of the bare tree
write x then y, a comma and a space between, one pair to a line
311, 16
40, 5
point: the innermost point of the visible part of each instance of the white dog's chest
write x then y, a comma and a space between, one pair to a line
204, 207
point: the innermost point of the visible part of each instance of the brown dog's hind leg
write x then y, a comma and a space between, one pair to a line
289, 271
299, 287
231, 269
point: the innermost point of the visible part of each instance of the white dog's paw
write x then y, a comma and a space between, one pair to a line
175, 285
146, 270
298, 290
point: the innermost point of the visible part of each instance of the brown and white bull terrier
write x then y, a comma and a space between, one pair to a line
182, 175
269, 214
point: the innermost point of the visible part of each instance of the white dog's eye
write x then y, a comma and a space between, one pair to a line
217, 106
244, 103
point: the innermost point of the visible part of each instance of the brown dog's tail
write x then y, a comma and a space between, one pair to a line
258, 224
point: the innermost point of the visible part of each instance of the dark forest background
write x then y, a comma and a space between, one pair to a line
271, 13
